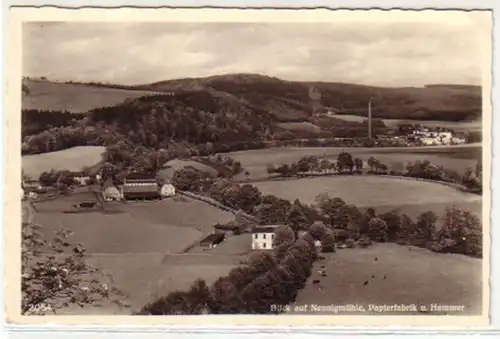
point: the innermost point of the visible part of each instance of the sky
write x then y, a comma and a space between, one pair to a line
373, 53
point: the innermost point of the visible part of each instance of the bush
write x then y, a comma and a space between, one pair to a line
393, 221
460, 232
377, 230
55, 274
425, 228
194, 301
283, 235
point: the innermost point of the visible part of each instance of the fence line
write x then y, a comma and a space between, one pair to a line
217, 204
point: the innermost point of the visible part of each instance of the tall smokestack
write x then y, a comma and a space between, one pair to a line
370, 118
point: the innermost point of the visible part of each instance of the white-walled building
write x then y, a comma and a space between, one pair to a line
111, 193
167, 190
263, 237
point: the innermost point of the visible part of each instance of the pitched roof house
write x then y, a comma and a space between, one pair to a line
263, 237
140, 186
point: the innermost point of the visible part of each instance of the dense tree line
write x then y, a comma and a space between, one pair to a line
344, 220
268, 278
37, 121
471, 179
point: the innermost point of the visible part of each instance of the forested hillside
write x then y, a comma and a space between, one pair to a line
223, 113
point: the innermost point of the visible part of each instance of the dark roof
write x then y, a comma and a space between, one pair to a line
79, 174
140, 176
213, 238
132, 181
265, 228
140, 189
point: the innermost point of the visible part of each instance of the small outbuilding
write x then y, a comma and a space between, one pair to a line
167, 190
213, 240
111, 193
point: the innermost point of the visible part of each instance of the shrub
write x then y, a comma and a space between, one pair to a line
283, 234
55, 274
194, 301
393, 220
425, 227
460, 232
377, 229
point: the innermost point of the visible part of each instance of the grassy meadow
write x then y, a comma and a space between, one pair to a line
72, 159
141, 244
460, 126
75, 98
372, 191
458, 157
395, 275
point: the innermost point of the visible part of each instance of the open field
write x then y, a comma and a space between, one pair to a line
412, 275
72, 159
457, 157
74, 98
165, 226
170, 167
383, 194
141, 245
146, 277
461, 126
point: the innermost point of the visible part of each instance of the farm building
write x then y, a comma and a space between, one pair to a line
167, 190
263, 237
140, 186
81, 178
212, 240
31, 185
111, 193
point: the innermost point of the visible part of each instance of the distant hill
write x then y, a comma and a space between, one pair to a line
292, 101
286, 101
222, 113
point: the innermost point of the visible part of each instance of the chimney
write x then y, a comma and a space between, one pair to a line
370, 118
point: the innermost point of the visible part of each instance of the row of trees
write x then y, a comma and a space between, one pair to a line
268, 278
344, 220
346, 164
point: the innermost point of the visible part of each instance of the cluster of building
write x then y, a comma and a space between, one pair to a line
426, 137
263, 237
137, 186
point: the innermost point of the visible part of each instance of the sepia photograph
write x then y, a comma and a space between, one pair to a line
253, 163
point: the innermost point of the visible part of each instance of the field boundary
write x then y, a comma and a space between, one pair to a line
217, 204
397, 177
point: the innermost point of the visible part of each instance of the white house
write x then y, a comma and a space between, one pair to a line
167, 190
111, 193
445, 137
428, 141
263, 237
458, 140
